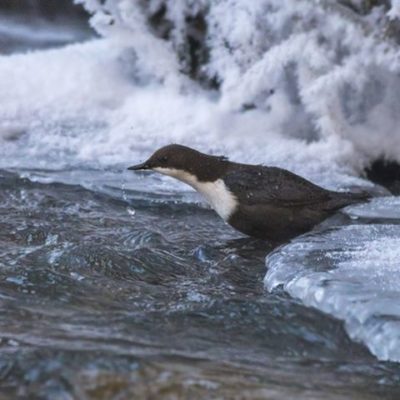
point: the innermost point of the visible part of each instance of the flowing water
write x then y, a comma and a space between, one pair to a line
115, 285
103, 297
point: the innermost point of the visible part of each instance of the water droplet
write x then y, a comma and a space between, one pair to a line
123, 188
77, 276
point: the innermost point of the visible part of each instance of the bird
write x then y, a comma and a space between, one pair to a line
260, 201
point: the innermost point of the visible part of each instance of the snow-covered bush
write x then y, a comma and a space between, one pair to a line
318, 67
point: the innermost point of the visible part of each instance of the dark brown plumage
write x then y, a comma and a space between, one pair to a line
289, 204
270, 203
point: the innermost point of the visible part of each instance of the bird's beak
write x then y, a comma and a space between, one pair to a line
139, 167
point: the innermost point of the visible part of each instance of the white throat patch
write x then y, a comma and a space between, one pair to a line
216, 193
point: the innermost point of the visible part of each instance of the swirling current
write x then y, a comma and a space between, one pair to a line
103, 297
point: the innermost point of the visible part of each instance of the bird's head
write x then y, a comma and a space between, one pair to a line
183, 163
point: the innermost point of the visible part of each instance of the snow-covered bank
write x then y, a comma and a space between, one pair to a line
352, 273
82, 104
314, 69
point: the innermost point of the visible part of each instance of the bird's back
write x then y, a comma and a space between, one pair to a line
259, 184
277, 204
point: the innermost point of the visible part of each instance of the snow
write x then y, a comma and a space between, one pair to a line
351, 272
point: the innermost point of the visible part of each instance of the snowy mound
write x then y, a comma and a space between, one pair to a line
351, 272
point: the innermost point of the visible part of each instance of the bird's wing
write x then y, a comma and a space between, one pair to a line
258, 185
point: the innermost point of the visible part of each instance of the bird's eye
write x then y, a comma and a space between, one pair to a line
163, 159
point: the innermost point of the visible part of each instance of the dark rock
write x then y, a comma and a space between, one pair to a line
385, 173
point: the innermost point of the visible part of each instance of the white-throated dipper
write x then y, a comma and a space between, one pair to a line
263, 202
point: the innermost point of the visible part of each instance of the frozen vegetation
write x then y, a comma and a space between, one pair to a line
321, 71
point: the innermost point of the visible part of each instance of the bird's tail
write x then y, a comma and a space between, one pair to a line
358, 196
343, 199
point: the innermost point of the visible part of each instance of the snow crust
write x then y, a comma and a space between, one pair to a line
351, 272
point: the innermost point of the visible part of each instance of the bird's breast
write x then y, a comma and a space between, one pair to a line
219, 196
221, 199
